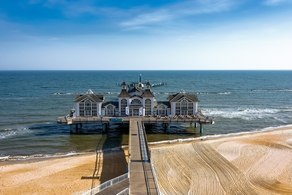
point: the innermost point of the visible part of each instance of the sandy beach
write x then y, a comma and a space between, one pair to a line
253, 163
67, 175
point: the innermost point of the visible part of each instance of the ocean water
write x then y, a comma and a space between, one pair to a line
31, 101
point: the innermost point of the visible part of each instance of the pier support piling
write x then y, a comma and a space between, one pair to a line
201, 128
104, 127
167, 127
71, 129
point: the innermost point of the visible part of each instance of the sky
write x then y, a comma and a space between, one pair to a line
146, 35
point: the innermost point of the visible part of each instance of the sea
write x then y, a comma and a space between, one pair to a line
31, 102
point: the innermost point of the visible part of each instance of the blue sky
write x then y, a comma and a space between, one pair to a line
145, 35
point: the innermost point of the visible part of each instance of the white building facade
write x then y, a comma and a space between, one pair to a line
135, 100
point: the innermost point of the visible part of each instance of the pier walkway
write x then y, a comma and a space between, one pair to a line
141, 176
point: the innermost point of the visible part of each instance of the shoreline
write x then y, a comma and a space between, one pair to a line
40, 157
76, 174
35, 158
65, 175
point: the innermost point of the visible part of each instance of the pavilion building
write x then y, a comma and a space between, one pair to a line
135, 100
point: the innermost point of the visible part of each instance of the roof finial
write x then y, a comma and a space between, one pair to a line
89, 91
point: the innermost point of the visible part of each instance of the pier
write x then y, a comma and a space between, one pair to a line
76, 122
140, 172
135, 106
141, 176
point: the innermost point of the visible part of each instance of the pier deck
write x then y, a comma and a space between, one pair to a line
141, 176
144, 119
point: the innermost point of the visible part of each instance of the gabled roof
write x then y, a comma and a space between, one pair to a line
135, 95
116, 104
93, 97
164, 103
178, 96
147, 93
124, 94
134, 89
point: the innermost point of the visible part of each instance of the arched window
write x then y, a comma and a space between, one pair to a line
87, 108
147, 107
136, 102
123, 106
109, 110
184, 107
161, 110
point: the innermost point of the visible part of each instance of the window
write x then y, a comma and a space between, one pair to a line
81, 109
109, 110
177, 108
161, 110
123, 106
147, 107
184, 107
190, 108
87, 108
136, 102
94, 109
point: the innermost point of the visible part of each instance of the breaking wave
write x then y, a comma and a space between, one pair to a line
210, 92
58, 93
246, 113
39, 156
6, 133
272, 90
217, 136
57, 155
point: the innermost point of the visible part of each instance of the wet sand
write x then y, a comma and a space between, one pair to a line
254, 163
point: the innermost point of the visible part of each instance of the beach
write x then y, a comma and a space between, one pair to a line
67, 175
251, 163
248, 163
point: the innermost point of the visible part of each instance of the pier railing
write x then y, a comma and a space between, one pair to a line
124, 192
155, 178
107, 184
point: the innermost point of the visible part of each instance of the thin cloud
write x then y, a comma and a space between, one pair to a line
70, 8
34, 1
148, 18
178, 10
276, 2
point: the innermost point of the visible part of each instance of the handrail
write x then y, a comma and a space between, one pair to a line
149, 155
144, 153
107, 184
124, 192
155, 178
143, 143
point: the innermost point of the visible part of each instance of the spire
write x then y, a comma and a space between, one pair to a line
124, 85
147, 85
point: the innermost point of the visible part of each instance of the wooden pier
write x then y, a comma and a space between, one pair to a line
141, 176
106, 121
